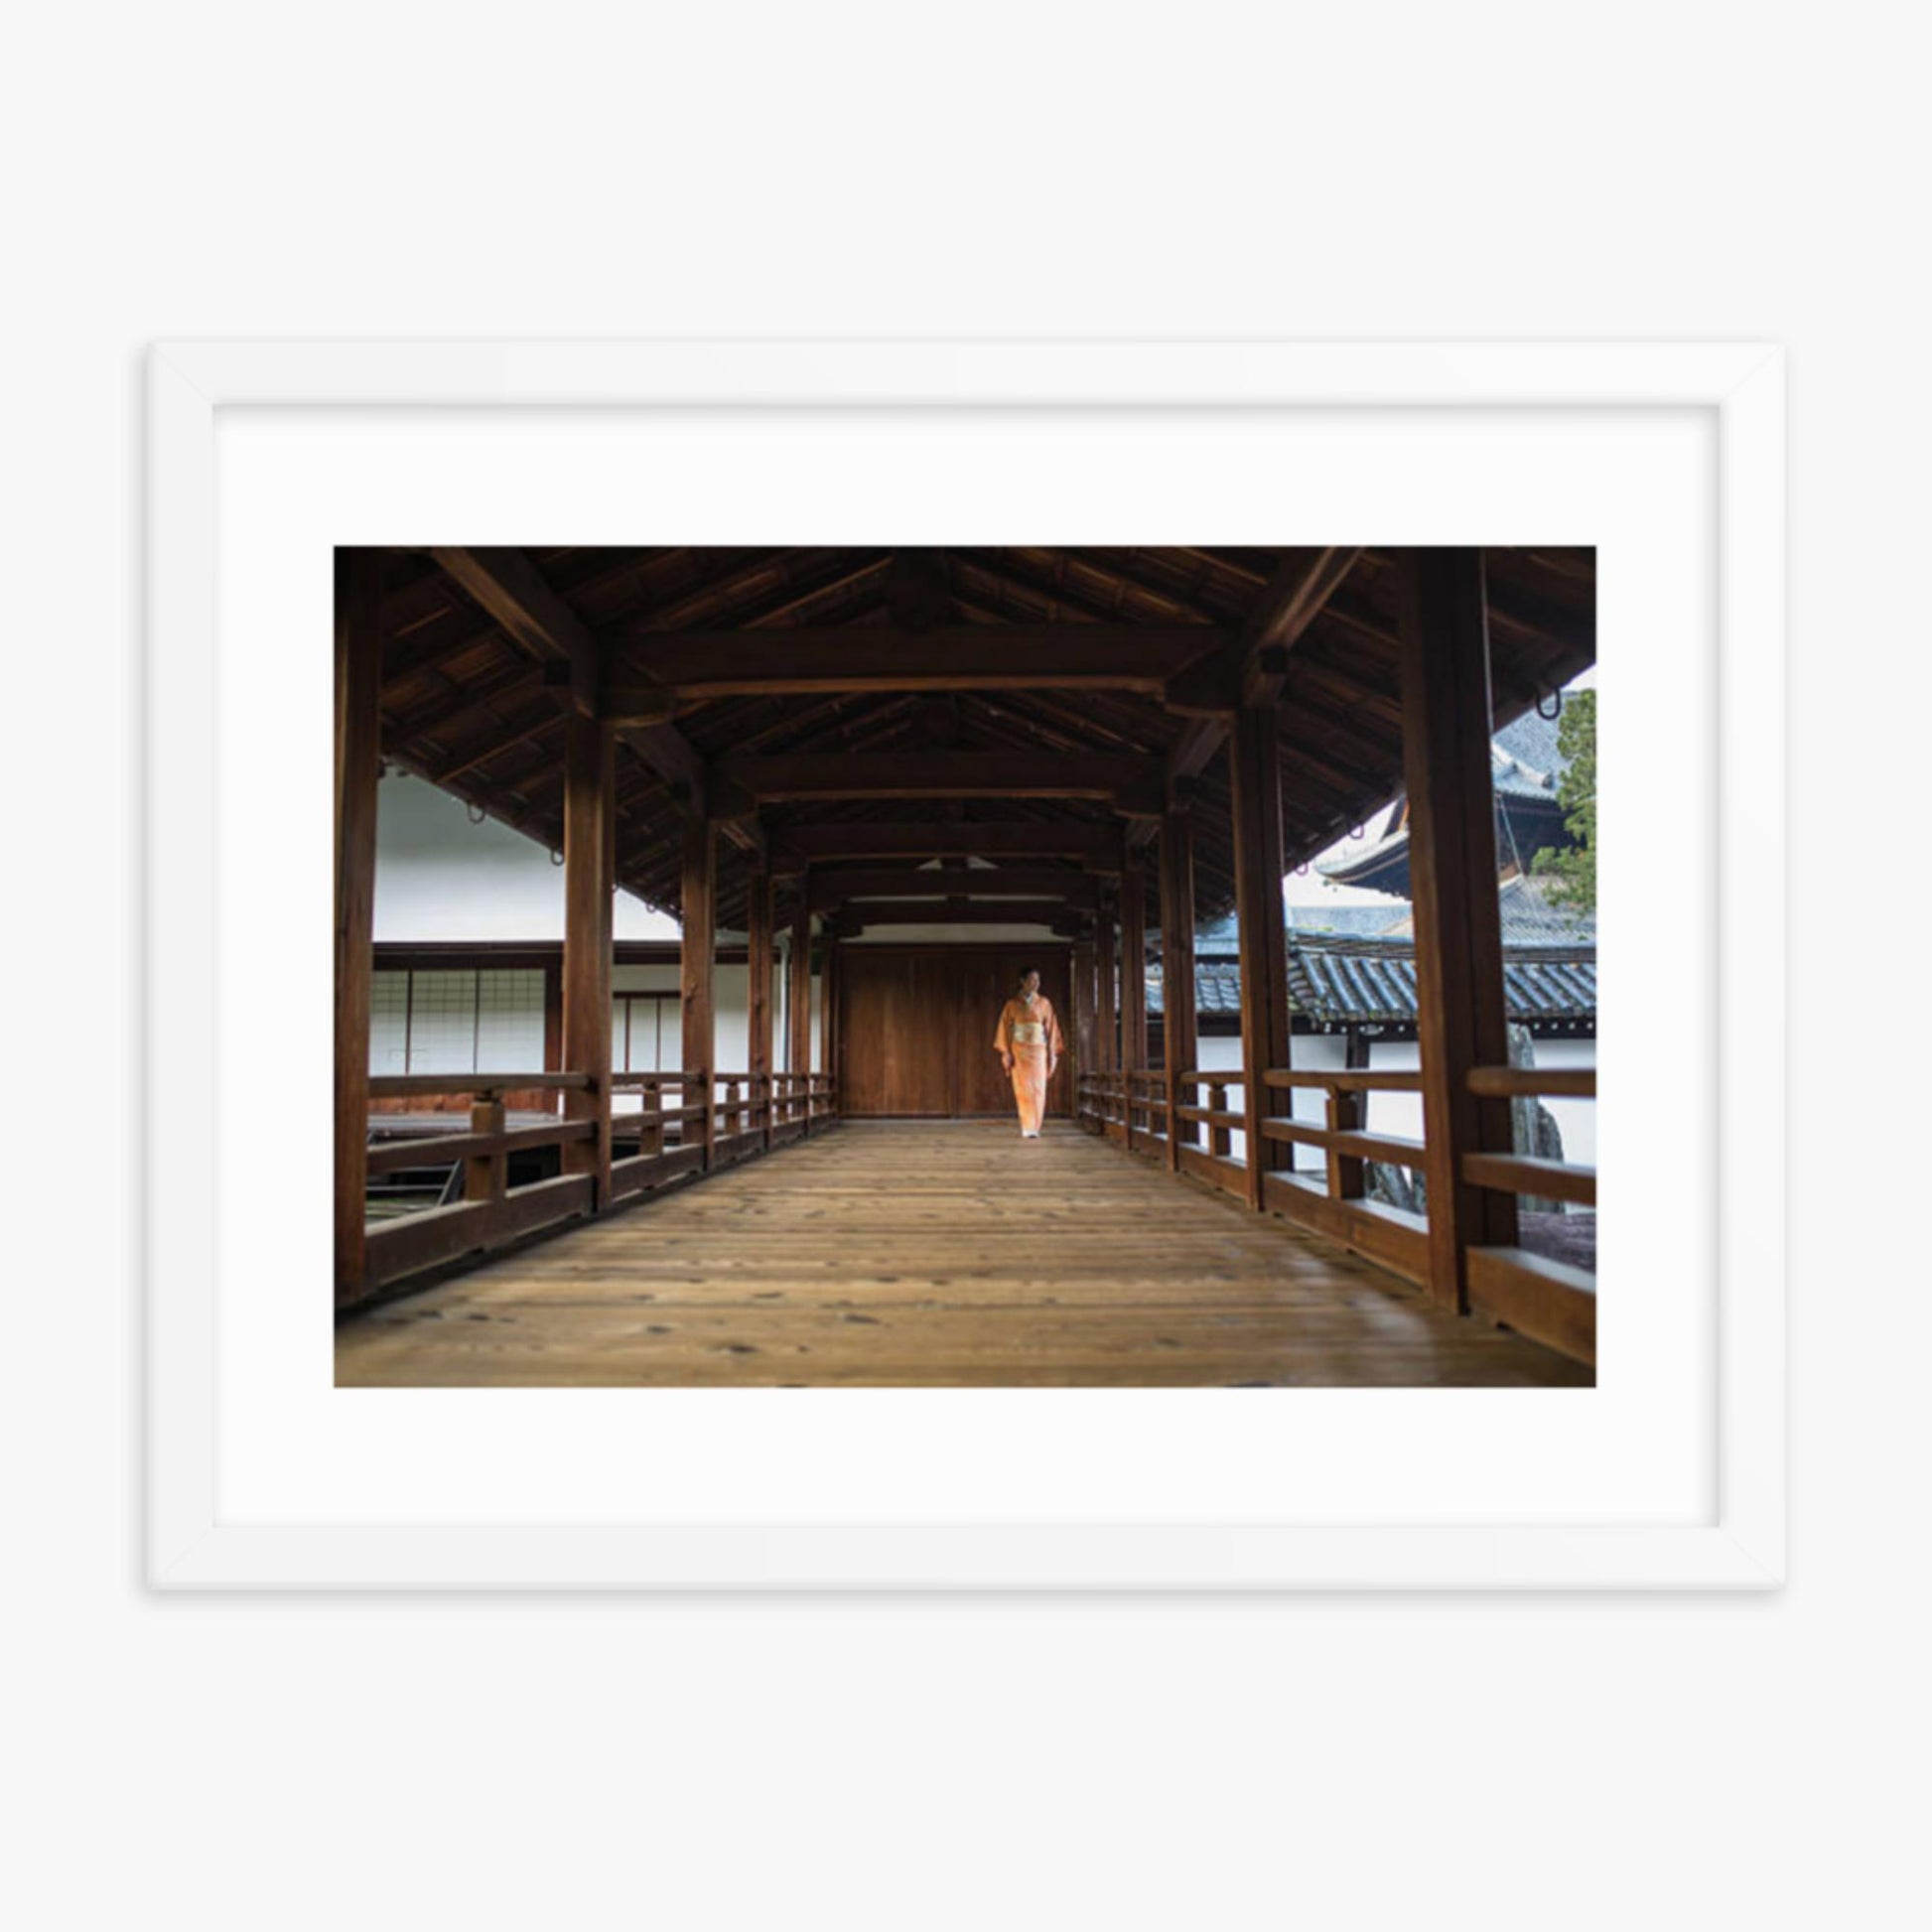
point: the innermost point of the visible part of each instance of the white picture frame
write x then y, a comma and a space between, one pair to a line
193, 1544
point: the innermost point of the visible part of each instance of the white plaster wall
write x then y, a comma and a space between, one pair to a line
439, 877
1576, 1119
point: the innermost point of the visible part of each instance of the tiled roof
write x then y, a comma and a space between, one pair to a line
1338, 979
1365, 921
1524, 758
1531, 740
1335, 981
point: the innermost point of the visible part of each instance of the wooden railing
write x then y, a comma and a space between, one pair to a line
800, 1103
686, 1122
672, 1140
492, 1212
1130, 1107
1551, 1300
1206, 1131
1337, 1204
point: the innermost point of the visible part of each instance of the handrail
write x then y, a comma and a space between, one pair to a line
1508, 1082
403, 1087
1526, 1173
1346, 1079
432, 1150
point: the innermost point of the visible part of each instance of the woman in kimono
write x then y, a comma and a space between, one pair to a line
1028, 1042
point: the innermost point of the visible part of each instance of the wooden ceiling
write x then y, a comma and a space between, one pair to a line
773, 683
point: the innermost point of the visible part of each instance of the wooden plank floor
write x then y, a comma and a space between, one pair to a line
934, 1253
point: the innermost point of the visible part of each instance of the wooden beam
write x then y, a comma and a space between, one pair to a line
697, 953
507, 583
798, 1055
358, 733
692, 667
1133, 969
832, 889
856, 914
1254, 664
1460, 1008
1254, 773
936, 774
590, 882
1097, 846
1295, 595
1179, 1026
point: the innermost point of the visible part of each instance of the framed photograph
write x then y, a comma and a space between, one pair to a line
879, 966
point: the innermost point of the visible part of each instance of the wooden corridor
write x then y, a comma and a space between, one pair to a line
928, 1254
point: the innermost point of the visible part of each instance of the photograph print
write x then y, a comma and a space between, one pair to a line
965, 967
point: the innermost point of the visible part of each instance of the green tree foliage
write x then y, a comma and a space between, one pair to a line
1574, 869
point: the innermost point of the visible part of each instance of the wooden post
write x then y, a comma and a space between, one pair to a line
828, 1023
1133, 969
1347, 1175
1106, 1023
757, 940
589, 882
697, 953
799, 1053
1255, 771
1083, 1027
485, 1177
359, 744
1460, 1008
1180, 1029
553, 1017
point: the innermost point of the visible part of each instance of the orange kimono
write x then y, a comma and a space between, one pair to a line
1029, 1036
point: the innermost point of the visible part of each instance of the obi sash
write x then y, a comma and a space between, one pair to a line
1028, 1032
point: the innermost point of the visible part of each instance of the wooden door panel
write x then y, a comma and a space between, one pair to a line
897, 1033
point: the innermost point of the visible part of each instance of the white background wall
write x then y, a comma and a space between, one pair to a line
1489, 170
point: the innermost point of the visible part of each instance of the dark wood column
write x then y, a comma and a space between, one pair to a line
697, 953
553, 1017
359, 744
1255, 771
1133, 968
1460, 1008
1106, 1020
589, 882
1081, 1036
758, 952
828, 1013
696, 961
799, 998
1179, 1028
